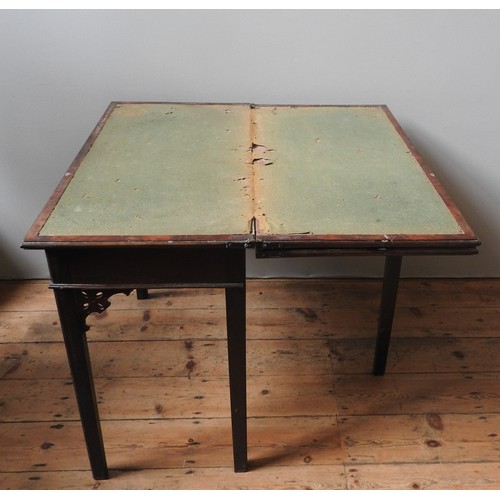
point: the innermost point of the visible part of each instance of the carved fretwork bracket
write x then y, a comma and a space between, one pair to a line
97, 301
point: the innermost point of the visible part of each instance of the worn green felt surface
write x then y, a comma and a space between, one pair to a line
341, 170
161, 169
180, 169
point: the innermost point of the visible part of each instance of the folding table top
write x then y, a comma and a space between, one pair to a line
167, 173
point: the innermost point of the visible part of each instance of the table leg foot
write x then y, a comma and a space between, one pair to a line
386, 315
100, 477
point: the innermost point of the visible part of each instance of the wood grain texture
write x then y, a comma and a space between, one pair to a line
317, 418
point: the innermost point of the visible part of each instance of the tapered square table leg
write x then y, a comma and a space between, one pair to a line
386, 315
75, 339
236, 341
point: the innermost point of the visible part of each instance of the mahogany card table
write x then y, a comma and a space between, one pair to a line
166, 195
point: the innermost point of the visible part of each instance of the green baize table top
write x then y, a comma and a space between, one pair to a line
209, 169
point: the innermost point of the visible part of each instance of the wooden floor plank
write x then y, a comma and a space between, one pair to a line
278, 293
165, 359
171, 443
173, 397
175, 443
273, 357
419, 355
461, 476
401, 393
297, 323
303, 477
430, 438
183, 397
366, 293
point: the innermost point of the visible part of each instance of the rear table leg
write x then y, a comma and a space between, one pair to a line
142, 293
386, 315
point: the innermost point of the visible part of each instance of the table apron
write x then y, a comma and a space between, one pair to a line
149, 267
270, 252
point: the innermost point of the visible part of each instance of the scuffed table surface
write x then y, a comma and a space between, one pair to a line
161, 169
247, 174
342, 170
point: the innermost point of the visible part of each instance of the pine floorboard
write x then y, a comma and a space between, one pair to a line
317, 418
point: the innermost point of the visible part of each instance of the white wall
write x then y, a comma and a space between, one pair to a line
438, 71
